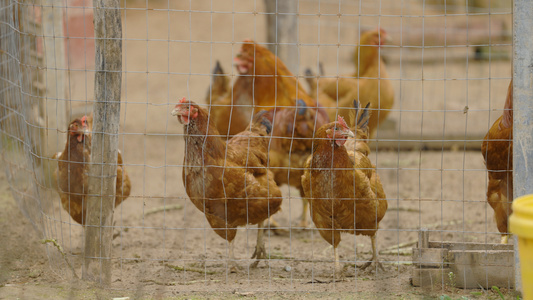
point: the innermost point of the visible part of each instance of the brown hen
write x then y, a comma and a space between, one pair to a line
342, 185
497, 150
73, 168
228, 181
369, 83
264, 83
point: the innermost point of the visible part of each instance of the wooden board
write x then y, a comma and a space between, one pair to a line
462, 265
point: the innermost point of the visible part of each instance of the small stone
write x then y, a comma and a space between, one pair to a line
288, 268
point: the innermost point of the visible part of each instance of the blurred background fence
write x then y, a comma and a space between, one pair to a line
449, 64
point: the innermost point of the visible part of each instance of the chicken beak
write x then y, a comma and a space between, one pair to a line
386, 40
175, 111
349, 133
82, 133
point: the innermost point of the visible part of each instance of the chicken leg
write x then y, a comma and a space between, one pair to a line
260, 252
234, 267
375, 260
339, 272
505, 239
337, 261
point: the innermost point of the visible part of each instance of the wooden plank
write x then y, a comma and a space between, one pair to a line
427, 142
468, 265
461, 246
423, 238
473, 268
429, 277
104, 146
282, 34
430, 258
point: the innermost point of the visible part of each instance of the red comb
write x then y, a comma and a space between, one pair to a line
183, 100
341, 120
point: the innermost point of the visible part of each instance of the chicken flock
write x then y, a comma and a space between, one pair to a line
264, 130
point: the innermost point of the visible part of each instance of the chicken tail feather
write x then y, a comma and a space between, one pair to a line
302, 107
219, 83
360, 118
507, 120
218, 69
262, 118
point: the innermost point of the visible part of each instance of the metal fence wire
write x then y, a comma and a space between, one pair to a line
200, 163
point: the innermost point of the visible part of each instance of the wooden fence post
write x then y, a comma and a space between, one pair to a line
104, 148
282, 26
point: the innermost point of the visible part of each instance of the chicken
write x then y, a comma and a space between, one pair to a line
264, 82
497, 150
292, 141
73, 167
342, 185
369, 83
228, 182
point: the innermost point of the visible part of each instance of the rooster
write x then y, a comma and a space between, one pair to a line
228, 181
73, 167
342, 185
497, 150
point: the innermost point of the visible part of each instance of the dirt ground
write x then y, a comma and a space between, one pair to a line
174, 253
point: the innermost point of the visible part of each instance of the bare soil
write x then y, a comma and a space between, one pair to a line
174, 253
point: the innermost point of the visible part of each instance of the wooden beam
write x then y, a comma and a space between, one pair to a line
104, 147
282, 35
429, 143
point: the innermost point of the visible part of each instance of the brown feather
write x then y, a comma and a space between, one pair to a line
71, 174
497, 151
264, 83
229, 182
369, 83
343, 188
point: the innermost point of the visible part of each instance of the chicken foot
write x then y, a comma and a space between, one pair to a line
339, 272
375, 259
260, 251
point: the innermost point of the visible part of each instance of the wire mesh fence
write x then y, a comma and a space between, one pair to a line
435, 74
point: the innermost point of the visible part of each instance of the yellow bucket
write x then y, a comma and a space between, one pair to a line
521, 224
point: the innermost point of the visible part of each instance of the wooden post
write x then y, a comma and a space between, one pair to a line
55, 106
104, 148
423, 238
282, 24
